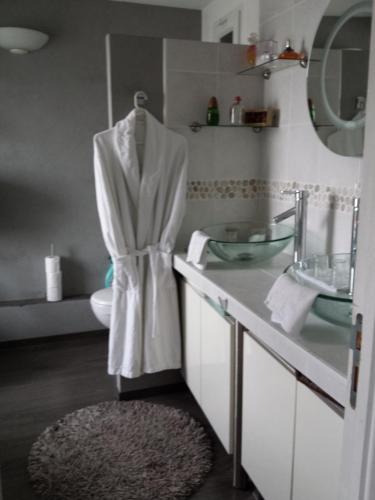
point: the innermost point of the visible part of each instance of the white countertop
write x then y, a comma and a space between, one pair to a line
320, 351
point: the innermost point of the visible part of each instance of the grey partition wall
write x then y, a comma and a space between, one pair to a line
134, 63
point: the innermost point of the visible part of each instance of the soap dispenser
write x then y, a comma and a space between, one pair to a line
236, 112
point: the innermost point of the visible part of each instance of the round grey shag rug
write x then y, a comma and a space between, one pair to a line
130, 450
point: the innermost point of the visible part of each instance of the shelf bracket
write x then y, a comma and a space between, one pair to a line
195, 127
267, 74
303, 62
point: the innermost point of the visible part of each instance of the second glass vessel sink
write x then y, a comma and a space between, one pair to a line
248, 241
330, 275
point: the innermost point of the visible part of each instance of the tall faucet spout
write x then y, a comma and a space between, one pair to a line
299, 211
353, 245
284, 215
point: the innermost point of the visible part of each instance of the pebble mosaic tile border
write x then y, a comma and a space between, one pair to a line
320, 196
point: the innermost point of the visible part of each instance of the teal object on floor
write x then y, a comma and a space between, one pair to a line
109, 277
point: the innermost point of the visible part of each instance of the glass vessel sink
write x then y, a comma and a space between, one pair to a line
330, 275
247, 241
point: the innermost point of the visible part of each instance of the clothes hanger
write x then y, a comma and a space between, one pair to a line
140, 99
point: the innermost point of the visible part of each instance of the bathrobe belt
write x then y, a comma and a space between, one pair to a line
126, 275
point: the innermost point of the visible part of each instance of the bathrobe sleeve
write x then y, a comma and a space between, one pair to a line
108, 181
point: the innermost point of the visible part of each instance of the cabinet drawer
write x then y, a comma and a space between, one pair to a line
190, 316
208, 354
217, 351
318, 447
269, 394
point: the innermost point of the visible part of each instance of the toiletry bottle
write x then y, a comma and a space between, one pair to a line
212, 112
251, 54
236, 112
288, 52
267, 50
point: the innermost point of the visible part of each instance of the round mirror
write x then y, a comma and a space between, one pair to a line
338, 72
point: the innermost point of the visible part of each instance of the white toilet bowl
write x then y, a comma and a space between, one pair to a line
101, 304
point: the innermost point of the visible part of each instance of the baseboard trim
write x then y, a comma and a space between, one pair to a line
153, 391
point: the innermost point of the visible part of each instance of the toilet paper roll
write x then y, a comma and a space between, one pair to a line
52, 263
54, 279
54, 286
54, 294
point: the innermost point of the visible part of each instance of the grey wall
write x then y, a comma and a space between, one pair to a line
136, 64
52, 102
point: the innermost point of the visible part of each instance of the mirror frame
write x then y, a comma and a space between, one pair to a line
359, 8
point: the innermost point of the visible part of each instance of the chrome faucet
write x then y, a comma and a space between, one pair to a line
353, 244
299, 211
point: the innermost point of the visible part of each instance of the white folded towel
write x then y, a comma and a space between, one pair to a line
197, 251
290, 303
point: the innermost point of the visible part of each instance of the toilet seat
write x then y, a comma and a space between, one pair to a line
101, 304
103, 297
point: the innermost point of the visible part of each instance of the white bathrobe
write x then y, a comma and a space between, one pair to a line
140, 211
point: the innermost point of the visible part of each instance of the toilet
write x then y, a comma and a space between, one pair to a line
101, 303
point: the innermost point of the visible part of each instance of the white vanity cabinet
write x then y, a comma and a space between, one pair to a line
268, 418
291, 436
318, 446
191, 331
217, 377
208, 351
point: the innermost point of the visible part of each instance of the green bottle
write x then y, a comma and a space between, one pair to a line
212, 112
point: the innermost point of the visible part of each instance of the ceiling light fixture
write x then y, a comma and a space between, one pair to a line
22, 40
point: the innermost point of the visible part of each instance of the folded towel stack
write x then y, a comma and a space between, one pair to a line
290, 303
197, 251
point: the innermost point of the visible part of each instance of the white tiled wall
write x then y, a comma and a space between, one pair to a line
218, 9
294, 152
194, 72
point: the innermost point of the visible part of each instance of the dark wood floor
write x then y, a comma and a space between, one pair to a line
42, 381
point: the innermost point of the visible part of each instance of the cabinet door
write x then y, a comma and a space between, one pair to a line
319, 435
190, 314
269, 392
217, 351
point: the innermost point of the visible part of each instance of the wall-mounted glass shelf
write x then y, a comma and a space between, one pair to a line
197, 126
269, 67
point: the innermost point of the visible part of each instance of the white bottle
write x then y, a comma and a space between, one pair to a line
236, 112
53, 277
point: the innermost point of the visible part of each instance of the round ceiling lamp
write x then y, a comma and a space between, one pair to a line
22, 40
